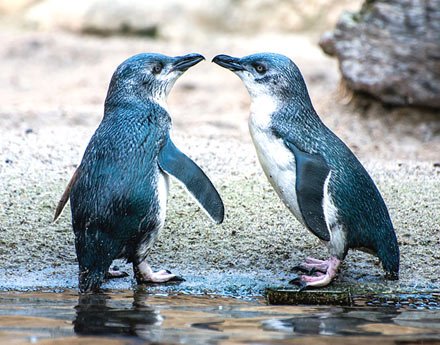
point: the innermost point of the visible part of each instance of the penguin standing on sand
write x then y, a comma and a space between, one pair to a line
313, 172
119, 192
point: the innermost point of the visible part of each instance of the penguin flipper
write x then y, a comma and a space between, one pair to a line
65, 195
177, 164
311, 174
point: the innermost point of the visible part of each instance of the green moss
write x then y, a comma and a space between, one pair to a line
310, 297
354, 295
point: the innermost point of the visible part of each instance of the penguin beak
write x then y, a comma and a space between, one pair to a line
229, 62
182, 63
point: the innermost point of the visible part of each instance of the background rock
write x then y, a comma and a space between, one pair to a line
177, 18
97, 16
391, 50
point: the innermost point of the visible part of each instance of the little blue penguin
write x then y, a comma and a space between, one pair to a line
118, 193
313, 172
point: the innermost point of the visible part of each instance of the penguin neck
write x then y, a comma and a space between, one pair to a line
301, 113
128, 93
262, 106
161, 100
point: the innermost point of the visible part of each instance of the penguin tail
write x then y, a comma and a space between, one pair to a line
91, 280
389, 254
95, 253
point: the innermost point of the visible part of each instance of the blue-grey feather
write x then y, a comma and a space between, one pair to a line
174, 162
115, 192
360, 206
311, 173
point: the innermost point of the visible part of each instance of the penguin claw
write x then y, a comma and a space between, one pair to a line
299, 283
302, 286
305, 270
177, 279
162, 277
163, 272
115, 274
171, 281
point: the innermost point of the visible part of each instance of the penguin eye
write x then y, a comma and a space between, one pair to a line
157, 68
260, 68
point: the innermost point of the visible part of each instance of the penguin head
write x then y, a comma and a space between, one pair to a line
267, 74
150, 75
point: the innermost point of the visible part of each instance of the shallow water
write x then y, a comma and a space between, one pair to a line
137, 317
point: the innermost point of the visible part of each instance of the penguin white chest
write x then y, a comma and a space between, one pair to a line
162, 196
277, 161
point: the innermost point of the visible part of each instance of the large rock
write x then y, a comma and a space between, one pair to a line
168, 18
391, 50
101, 16
171, 18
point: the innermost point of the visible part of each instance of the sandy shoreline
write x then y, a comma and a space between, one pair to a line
53, 88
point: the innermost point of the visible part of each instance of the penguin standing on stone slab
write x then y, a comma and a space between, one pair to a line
313, 172
118, 194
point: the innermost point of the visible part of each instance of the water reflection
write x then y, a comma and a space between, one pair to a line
131, 317
336, 321
98, 314
139, 316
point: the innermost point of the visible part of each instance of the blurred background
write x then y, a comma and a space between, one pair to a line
58, 56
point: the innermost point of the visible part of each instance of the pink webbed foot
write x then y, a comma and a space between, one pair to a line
326, 271
145, 275
312, 265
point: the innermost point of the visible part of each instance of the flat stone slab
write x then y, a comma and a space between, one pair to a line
355, 296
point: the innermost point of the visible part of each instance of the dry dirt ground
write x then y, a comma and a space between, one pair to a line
52, 88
